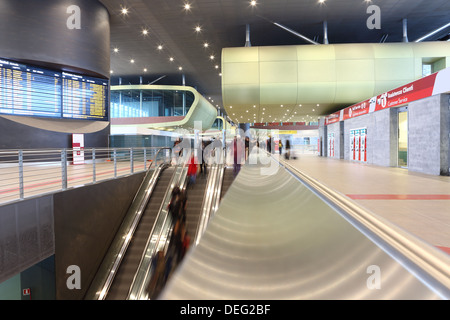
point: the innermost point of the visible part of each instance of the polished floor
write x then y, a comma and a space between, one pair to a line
46, 178
418, 203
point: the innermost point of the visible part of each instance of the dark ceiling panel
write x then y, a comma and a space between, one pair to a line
223, 25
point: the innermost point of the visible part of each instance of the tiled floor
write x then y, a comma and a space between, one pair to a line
416, 202
46, 178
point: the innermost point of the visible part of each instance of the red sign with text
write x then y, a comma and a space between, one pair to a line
413, 91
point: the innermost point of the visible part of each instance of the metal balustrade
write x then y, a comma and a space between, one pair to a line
27, 173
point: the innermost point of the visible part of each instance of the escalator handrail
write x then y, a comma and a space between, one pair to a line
108, 269
162, 226
423, 260
211, 196
218, 189
206, 205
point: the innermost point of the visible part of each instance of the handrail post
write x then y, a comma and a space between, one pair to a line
93, 166
115, 162
64, 169
131, 161
145, 158
21, 188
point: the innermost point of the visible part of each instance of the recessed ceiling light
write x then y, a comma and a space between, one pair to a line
206, 45
116, 50
216, 66
160, 47
180, 68
145, 69
220, 74
124, 10
145, 32
132, 60
198, 29
111, 71
253, 3
211, 57
171, 58
187, 6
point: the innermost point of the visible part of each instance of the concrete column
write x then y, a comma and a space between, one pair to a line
428, 135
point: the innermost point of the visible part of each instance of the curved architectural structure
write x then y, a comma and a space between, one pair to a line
69, 36
63, 41
160, 107
294, 81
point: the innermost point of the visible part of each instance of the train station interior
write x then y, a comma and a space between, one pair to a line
225, 150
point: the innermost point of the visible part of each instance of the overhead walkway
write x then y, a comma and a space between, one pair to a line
129, 266
278, 234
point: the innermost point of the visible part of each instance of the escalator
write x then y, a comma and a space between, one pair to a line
130, 262
195, 196
128, 267
228, 178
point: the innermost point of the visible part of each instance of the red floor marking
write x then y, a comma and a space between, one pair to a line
445, 249
399, 196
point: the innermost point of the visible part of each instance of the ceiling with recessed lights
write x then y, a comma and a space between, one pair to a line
175, 42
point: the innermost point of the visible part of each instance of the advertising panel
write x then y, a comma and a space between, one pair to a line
331, 145
352, 145
358, 145
363, 147
78, 148
357, 140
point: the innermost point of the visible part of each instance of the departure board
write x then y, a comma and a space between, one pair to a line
84, 97
33, 91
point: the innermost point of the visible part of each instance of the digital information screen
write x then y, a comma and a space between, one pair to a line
33, 91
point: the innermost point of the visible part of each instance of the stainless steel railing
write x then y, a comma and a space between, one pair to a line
27, 173
211, 198
159, 237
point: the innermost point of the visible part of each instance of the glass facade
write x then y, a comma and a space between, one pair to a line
150, 103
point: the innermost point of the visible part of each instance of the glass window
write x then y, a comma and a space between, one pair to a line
150, 103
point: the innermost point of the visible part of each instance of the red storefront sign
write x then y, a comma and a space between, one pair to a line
419, 89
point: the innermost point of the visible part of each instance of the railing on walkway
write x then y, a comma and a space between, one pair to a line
26, 173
